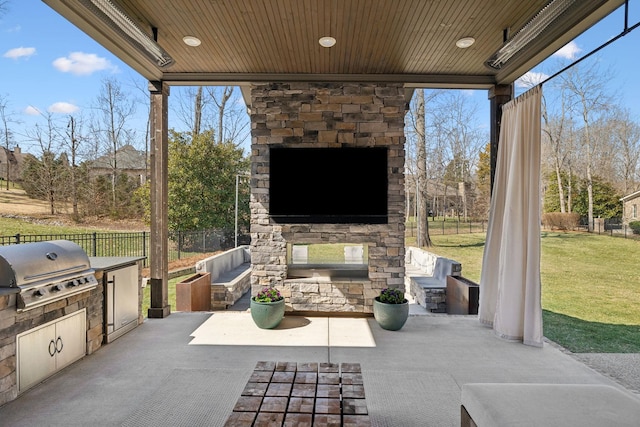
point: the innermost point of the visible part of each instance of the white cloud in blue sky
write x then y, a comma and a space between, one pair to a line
569, 51
63, 107
32, 111
20, 52
83, 64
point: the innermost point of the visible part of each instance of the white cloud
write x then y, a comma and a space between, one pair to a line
15, 29
32, 111
62, 107
531, 79
20, 52
569, 51
82, 64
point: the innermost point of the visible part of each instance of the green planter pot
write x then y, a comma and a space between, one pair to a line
391, 317
267, 315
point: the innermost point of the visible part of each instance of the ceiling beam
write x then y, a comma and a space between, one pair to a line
411, 80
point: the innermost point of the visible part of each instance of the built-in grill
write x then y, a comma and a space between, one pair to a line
45, 272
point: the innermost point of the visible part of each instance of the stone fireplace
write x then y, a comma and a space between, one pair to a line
327, 115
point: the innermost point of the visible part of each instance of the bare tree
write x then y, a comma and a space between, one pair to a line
46, 178
626, 134
7, 120
590, 98
221, 103
110, 126
231, 114
192, 109
555, 131
73, 143
142, 89
218, 108
462, 139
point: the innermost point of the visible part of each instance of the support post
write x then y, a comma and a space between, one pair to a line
498, 96
159, 236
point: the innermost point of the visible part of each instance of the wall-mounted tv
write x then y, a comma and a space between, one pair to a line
328, 185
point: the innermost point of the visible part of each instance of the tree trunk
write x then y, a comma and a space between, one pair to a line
197, 121
226, 94
74, 183
421, 158
560, 187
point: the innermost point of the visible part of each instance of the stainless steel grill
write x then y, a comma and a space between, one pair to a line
45, 272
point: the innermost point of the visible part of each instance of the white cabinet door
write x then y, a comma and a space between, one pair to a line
71, 339
44, 350
36, 353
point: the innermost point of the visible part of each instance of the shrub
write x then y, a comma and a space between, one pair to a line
560, 221
392, 296
635, 226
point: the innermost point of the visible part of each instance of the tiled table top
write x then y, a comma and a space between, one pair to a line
302, 394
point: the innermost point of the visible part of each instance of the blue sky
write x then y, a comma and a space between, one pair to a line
50, 66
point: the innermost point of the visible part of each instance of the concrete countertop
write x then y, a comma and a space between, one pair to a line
113, 262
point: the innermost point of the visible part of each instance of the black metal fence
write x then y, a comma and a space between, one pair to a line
613, 228
182, 244
448, 226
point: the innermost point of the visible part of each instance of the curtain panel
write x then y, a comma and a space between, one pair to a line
510, 295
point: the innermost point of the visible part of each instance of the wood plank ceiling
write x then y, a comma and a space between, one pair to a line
412, 41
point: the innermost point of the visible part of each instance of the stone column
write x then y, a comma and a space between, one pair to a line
159, 250
498, 96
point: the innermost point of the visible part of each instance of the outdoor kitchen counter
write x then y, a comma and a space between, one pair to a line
112, 262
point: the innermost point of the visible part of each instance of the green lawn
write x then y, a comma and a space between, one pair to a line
590, 287
13, 226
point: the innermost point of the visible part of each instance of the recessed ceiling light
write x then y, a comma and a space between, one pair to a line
465, 42
327, 41
191, 41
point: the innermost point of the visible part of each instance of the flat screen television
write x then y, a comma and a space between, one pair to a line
328, 185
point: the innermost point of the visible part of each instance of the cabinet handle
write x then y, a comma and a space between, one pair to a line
59, 341
52, 352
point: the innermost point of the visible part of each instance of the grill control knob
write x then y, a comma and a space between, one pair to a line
72, 283
56, 288
38, 293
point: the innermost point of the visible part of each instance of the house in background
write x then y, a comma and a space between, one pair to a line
630, 207
128, 160
14, 161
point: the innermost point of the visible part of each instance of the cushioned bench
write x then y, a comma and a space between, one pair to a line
230, 276
426, 278
544, 405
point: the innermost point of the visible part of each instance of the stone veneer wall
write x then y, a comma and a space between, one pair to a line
327, 115
13, 323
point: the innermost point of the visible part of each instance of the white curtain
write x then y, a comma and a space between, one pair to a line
510, 279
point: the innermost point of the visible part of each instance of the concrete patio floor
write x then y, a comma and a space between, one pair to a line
190, 368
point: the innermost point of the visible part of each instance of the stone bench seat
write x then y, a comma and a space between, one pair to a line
230, 276
230, 286
533, 405
426, 278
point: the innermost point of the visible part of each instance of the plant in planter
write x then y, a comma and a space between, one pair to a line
391, 309
267, 308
